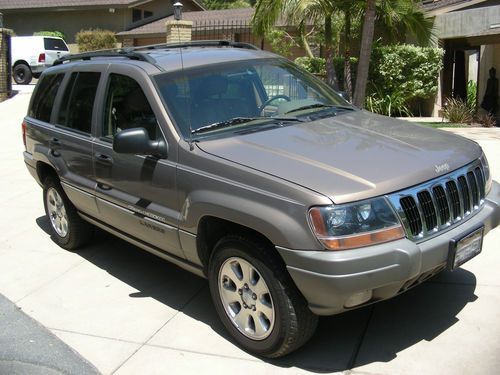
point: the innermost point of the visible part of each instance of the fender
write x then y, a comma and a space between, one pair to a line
285, 226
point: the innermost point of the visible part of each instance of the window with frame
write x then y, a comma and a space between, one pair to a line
44, 98
78, 101
127, 107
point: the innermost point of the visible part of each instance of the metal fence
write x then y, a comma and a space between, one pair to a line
234, 30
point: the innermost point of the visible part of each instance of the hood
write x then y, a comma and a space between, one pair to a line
350, 157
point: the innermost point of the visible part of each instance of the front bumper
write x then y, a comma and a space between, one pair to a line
328, 279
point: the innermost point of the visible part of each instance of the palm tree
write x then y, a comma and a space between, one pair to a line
396, 19
268, 12
364, 54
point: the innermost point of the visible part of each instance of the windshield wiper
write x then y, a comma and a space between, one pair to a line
320, 105
242, 120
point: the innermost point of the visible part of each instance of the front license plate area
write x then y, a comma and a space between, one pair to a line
465, 248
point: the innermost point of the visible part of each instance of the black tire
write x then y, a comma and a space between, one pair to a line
294, 323
36, 75
78, 232
22, 74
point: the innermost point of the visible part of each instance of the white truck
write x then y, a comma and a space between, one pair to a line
31, 55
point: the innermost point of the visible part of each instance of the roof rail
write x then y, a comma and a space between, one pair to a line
198, 43
126, 53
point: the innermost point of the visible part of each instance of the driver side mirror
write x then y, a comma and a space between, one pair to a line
136, 141
344, 95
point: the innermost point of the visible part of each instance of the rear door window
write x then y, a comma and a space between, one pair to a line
45, 94
78, 101
53, 44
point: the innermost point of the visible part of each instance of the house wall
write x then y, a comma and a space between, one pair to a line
466, 23
72, 21
68, 22
465, 30
489, 57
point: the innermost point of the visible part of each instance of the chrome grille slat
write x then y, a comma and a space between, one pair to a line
480, 178
428, 210
471, 179
464, 194
456, 205
437, 205
441, 204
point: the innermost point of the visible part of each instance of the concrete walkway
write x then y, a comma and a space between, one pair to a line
128, 312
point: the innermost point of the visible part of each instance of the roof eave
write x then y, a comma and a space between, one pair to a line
450, 8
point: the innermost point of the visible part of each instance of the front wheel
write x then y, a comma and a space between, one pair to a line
22, 74
256, 299
70, 231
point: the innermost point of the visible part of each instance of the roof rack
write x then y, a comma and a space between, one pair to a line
134, 54
126, 53
197, 43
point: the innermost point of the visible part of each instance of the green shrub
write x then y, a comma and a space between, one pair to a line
487, 120
57, 34
314, 65
472, 95
317, 65
95, 39
387, 104
457, 111
411, 70
407, 72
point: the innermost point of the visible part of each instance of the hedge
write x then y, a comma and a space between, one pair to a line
95, 39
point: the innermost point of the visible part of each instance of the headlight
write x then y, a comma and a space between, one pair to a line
487, 173
347, 226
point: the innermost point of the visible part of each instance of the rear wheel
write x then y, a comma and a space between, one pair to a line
256, 299
69, 230
22, 74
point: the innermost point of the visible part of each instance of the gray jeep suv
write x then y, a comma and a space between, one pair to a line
239, 167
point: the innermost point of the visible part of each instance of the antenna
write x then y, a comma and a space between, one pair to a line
178, 16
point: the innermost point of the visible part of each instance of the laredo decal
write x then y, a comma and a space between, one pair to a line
151, 226
147, 214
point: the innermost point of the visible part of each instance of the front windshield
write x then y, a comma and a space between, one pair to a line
225, 98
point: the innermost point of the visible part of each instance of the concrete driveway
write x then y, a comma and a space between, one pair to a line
128, 312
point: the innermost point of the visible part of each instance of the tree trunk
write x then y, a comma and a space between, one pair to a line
304, 42
347, 54
365, 54
331, 77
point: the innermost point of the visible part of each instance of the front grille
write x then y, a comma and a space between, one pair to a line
442, 203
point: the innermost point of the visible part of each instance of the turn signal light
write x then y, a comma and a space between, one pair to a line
41, 58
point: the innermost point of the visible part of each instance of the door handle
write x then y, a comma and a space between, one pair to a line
103, 159
54, 144
103, 186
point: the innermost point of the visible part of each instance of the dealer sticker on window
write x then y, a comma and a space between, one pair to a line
465, 248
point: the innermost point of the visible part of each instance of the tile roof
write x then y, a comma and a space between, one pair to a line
199, 18
37, 4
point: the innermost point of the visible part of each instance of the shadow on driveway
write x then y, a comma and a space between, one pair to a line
375, 333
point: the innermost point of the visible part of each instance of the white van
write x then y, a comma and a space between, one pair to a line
31, 55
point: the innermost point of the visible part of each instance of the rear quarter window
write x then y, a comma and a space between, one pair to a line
54, 44
45, 94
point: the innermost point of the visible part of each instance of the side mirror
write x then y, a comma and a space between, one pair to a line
136, 141
344, 95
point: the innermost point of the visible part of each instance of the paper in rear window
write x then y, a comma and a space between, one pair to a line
55, 44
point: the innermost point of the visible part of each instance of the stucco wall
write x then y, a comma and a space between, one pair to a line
490, 57
68, 22
467, 23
